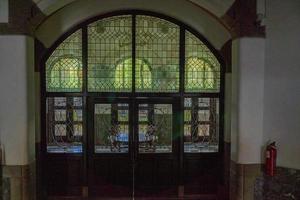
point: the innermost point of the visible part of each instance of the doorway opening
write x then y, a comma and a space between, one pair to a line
133, 107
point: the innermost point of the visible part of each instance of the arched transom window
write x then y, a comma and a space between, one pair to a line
109, 57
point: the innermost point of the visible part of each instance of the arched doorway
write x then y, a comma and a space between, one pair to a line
133, 106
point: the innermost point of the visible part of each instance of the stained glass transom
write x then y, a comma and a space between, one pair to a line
157, 42
64, 66
109, 45
202, 69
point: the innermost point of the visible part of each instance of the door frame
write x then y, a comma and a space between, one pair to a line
133, 146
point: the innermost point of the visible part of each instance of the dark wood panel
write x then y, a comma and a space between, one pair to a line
64, 175
110, 177
202, 175
156, 176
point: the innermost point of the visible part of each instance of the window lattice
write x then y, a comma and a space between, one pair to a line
143, 75
202, 69
157, 42
201, 124
64, 124
64, 66
109, 45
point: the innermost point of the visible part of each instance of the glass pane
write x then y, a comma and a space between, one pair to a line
187, 115
201, 132
78, 130
111, 128
109, 55
143, 76
123, 115
77, 115
155, 130
60, 101
64, 66
60, 130
188, 102
77, 101
202, 69
203, 115
60, 115
157, 53
63, 132
143, 115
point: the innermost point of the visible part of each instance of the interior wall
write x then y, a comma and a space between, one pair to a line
282, 80
78, 11
217, 7
248, 61
17, 120
3, 11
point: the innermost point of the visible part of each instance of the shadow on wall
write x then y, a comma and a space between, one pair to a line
4, 182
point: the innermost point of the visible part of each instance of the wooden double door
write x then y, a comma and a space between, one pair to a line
133, 147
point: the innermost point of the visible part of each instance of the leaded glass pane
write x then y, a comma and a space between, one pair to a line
64, 125
157, 53
155, 128
202, 69
111, 128
109, 53
60, 115
143, 76
60, 101
77, 130
64, 66
201, 131
77, 115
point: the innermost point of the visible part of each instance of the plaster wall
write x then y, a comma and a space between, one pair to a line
3, 11
17, 121
282, 80
217, 7
81, 10
247, 99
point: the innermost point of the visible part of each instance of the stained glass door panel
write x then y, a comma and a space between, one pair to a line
201, 125
111, 127
155, 128
156, 161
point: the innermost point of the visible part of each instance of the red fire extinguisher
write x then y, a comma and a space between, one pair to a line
271, 154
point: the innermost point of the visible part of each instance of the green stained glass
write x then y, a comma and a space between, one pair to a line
202, 69
110, 64
157, 44
143, 76
64, 66
187, 115
123, 76
109, 47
